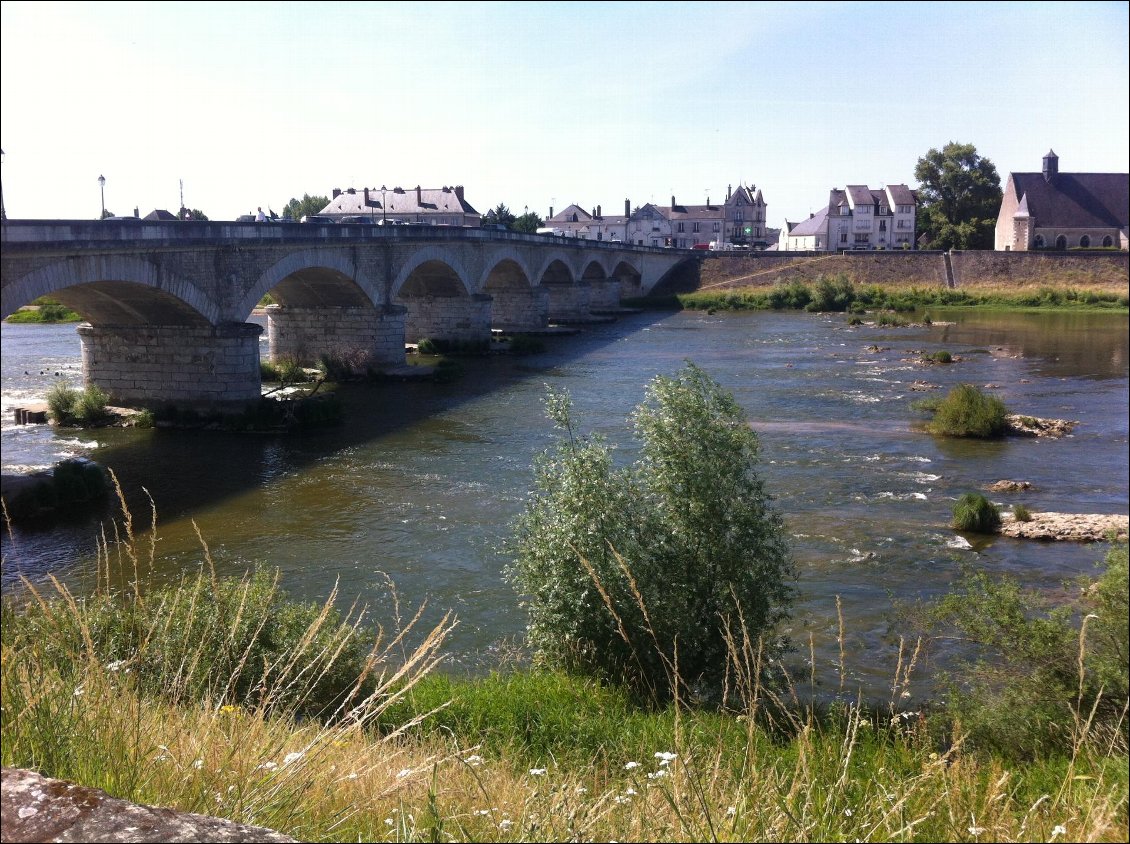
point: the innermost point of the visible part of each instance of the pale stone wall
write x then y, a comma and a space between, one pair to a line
364, 336
605, 294
569, 301
451, 318
519, 309
201, 366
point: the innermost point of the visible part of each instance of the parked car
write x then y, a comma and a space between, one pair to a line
129, 219
316, 218
358, 221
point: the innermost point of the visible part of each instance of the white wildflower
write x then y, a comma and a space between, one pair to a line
537, 772
666, 758
1060, 829
505, 824
267, 766
474, 760
292, 757
198, 764
657, 775
80, 691
730, 812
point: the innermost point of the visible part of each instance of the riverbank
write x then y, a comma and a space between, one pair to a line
521, 755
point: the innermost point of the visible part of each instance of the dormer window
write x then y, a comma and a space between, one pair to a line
845, 211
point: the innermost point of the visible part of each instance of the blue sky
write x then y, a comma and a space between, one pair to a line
539, 104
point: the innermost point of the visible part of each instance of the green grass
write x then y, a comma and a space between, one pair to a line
967, 412
69, 407
223, 696
45, 311
973, 513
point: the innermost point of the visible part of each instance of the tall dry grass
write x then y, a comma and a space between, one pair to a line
772, 768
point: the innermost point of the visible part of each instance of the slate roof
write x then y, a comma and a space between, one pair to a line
400, 201
813, 225
1075, 200
159, 214
860, 195
565, 215
901, 194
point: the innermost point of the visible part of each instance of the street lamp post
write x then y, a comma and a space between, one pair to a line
384, 207
102, 188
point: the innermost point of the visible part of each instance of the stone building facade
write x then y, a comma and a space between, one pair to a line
1054, 210
739, 221
857, 218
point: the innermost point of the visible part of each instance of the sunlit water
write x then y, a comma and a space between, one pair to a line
421, 484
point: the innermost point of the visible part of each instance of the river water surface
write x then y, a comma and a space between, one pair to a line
422, 482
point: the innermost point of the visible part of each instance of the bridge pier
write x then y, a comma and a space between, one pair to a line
605, 294
363, 337
569, 301
519, 309
209, 368
458, 319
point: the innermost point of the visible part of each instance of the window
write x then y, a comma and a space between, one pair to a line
843, 237
902, 224
695, 228
884, 210
1061, 242
882, 225
862, 238
681, 227
1039, 241
739, 217
1085, 241
845, 211
717, 226
863, 209
1108, 241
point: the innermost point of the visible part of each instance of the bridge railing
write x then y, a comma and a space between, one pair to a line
80, 234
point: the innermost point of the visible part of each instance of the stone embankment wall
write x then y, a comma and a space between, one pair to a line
1108, 271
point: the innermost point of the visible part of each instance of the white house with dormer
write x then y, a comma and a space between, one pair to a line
857, 218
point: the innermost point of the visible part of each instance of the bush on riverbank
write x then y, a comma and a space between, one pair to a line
70, 485
644, 574
1041, 675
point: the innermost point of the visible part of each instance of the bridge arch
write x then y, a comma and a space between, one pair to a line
516, 303
433, 286
115, 289
312, 278
630, 278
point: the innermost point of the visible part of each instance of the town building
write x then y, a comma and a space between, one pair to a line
1054, 210
739, 221
857, 218
444, 206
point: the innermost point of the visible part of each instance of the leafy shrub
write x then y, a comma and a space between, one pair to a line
890, 321
967, 412
795, 295
1041, 679
637, 575
974, 513
940, 357
1021, 513
832, 294
70, 407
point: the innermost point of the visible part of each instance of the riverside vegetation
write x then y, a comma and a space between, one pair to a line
839, 294
222, 696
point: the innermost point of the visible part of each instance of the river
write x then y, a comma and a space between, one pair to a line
421, 484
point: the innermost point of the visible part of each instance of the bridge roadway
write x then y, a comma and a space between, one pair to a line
166, 304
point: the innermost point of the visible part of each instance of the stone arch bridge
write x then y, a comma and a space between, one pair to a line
167, 304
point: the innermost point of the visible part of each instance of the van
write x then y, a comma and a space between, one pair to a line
552, 232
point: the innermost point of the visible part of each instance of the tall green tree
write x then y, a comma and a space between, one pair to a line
639, 575
191, 214
499, 215
528, 223
960, 196
296, 209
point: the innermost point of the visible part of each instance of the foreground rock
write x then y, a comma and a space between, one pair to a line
1066, 527
1033, 426
1009, 486
35, 808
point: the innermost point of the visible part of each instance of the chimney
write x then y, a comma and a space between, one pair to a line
550, 210
672, 202
627, 209
419, 198
337, 193
598, 214
708, 202
366, 197
459, 192
136, 212
729, 189
1051, 166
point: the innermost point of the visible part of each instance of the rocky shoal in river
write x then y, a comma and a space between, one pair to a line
1066, 527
